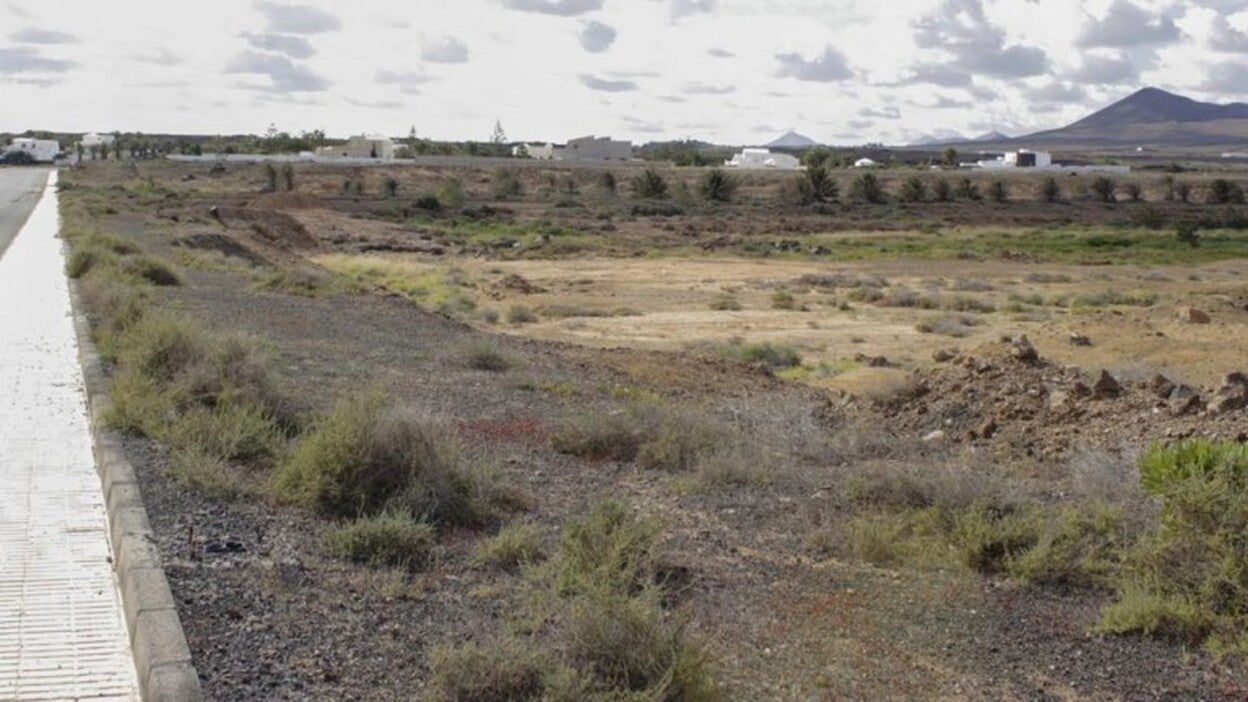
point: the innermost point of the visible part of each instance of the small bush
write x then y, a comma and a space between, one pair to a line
610, 550
998, 191
450, 194
429, 203
717, 186
1185, 578
507, 670
941, 190
677, 445
650, 185
726, 303
382, 540
513, 546
506, 184
152, 270
485, 356
601, 436
1187, 233
519, 314
1133, 191
867, 188
363, 458
206, 473
1225, 192
1050, 190
1080, 547
913, 190
783, 300
967, 190
1104, 189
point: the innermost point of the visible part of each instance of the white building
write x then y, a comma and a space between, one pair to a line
541, 152
865, 163
91, 139
362, 146
1040, 161
42, 150
1019, 159
763, 158
592, 148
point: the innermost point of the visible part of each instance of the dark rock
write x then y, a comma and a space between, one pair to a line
1080, 340
1022, 350
1161, 386
1106, 386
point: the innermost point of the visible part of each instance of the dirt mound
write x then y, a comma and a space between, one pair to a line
268, 227
1006, 396
222, 244
516, 283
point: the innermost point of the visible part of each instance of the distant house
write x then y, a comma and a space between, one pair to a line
362, 146
865, 163
92, 139
763, 158
1019, 159
588, 148
592, 148
1040, 161
41, 150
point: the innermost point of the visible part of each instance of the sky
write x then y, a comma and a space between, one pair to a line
726, 71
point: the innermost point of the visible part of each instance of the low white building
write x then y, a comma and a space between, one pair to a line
1019, 159
588, 148
593, 148
763, 158
541, 152
362, 146
41, 150
865, 163
91, 139
1024, 159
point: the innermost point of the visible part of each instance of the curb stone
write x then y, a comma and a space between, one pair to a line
162, 657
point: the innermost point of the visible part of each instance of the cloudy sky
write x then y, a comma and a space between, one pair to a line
731, 71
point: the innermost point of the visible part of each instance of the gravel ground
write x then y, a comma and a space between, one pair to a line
268, 617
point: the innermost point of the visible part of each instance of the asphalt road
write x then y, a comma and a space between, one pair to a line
19, 191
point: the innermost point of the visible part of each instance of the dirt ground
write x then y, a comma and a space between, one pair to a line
667, 303
280, 620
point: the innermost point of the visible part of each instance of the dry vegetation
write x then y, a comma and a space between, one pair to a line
785, 448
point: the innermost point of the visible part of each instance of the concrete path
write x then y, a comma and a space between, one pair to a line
62, 631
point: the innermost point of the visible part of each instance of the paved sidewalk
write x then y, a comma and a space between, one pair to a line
62, 632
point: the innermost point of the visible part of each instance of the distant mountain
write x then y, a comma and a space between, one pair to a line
1150, 118
792, 140
1156, 119
940, 138
994, 135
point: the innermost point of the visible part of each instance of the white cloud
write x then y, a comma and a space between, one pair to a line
284, 75
830, 66
293, 46
297, 19
597, 37
608, 86
34, 35
1125, 25
445, 50
565, 8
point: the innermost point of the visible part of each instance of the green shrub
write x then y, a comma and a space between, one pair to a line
364, 458
867, 188
506, 670
941, 190
1050, 190
650, 185
717, 186
513, 546
1104, 189
382, 540
783, 300
1080, 546
614, 436
230, 431
1186, 578
507, 184
726, 303
676, 446
450, 194
913, 190
206, 473
988, 539
610, 550
998, 191
485, 356
519, 314
152, 270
